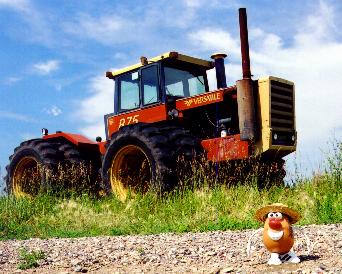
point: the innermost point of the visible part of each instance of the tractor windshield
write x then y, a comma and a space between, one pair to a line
183, 83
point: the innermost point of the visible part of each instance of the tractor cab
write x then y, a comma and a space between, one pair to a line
159, 80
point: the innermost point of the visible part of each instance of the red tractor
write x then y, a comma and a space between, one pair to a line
163, 110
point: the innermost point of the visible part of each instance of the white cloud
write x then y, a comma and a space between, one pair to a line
19, 5
47, 67
92, 109
37, 26
112, 28
120, 55
218, 4
12, 80
319, 26
53, 110
193, 3
215, 40
58, 87
107, 29
15, 116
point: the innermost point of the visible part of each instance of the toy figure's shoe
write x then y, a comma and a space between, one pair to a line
290, 257
274, 260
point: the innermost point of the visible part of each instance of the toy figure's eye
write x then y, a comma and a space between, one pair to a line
278, 215
270, 215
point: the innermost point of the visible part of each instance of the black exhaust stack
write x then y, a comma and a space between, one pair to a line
220, 70
245, 98
246, 65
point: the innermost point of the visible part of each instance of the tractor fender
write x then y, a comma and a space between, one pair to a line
80, 141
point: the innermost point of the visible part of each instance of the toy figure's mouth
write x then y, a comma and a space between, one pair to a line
275, 235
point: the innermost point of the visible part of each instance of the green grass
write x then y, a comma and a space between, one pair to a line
319, 200
29, 259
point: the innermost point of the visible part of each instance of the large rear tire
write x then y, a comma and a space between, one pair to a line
56, 166
80, 169
139, 158
30, 167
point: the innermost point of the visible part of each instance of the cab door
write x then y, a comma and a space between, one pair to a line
138, 99
150, 85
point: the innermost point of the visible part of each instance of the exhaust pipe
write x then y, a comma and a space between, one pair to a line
220, 70
246, 66
245, 98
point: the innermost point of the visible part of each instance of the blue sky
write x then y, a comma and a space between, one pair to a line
54, 55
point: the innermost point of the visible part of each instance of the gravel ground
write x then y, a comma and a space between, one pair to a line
211, 252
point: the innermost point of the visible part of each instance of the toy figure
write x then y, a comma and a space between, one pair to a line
277, 232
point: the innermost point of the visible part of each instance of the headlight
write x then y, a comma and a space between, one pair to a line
173, 113
275, 136
45, 131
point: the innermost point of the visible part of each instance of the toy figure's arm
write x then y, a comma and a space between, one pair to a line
308, 243
250, 240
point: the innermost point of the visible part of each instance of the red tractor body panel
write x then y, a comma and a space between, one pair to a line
149, 114
203, 99
76, 139
80, 141
199, 100
226, 148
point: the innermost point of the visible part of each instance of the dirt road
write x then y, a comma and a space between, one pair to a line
211, 252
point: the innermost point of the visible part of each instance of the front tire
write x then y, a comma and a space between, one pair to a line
138, 159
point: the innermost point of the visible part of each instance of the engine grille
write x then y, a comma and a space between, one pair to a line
282, 107
282, 113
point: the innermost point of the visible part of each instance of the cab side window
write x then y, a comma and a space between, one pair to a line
129, 91
149, 84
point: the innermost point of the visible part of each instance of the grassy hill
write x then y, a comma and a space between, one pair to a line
200, 208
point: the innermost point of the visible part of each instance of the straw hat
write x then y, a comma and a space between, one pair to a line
261, 213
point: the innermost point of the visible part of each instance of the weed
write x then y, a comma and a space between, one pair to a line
141, 251
29, 259
116, 231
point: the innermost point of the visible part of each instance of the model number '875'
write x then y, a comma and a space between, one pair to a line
128, 120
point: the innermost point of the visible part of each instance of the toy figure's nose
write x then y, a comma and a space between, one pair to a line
274, 223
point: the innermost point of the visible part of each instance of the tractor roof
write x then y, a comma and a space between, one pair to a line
166, 56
